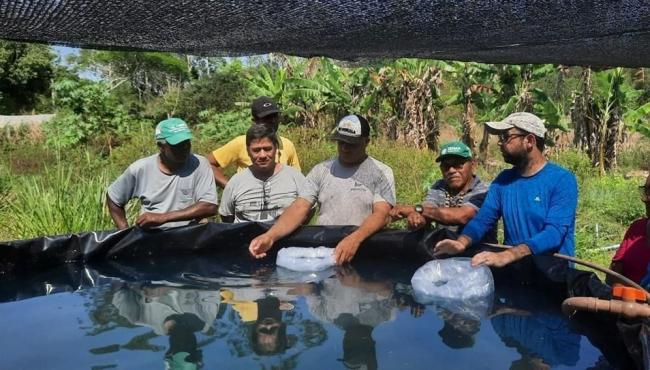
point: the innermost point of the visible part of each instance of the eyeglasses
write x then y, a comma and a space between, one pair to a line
446, 165
644, 191
505, 138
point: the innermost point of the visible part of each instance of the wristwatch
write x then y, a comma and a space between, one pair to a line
418, 208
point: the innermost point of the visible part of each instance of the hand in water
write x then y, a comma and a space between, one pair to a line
448, 246
260, 245
345, 250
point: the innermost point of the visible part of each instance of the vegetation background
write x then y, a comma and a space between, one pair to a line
53, 176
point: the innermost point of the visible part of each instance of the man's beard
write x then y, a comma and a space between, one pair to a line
516, 159
174, 161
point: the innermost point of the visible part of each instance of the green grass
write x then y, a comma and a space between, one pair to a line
55, 202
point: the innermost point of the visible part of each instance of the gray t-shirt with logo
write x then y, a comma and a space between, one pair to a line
250, 199
161, 193
346, 195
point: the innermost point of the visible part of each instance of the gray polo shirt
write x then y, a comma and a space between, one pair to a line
159, 192
250, 199
346, 195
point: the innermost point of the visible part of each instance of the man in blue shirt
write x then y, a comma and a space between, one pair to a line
536, 199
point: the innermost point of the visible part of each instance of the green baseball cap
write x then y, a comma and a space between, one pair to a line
456, 148
173, 131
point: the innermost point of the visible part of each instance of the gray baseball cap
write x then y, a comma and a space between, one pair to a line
521, 120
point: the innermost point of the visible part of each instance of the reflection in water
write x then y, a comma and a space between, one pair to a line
458, 330
177, 312
219, 314
538, 332
542, 340
357, 306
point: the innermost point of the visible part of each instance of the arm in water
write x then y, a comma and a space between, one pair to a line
291, 218
347, 248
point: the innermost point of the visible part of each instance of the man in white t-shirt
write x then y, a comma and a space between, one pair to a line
350, 189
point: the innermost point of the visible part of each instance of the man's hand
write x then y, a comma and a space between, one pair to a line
448, 246
500, 259
346, 249
399, 212
260, 245
150, 219
493, 259
416, 221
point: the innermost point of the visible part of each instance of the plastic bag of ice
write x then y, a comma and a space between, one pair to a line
306, 259
452, 279
290, 276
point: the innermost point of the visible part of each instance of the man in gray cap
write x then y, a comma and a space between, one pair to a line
536, 199
350, 189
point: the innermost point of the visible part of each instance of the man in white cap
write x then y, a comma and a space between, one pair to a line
350, 189
174, 186
536, 199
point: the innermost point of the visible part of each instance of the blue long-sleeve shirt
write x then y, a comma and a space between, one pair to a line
538, 210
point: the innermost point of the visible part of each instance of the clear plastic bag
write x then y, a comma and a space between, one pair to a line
286, 276
306, 259
454, 284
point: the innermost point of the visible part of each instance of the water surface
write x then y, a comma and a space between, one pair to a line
213, 313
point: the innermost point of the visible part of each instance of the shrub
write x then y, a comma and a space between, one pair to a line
221, 127
88, 113
576, 162
606, 207
636, 157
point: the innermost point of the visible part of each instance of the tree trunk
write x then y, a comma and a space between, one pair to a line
468, 122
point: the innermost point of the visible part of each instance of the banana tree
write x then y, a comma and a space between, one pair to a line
639, 119
598, 114
474, 81
320, 92
512, 91
405, 97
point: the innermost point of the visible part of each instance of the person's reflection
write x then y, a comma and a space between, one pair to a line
268, 333
357, 306
539, 333
358, 344
458, 330
176, 312
183, 352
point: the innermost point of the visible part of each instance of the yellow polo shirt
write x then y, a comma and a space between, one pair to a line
234, 152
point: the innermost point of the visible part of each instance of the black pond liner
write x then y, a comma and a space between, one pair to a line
45, 265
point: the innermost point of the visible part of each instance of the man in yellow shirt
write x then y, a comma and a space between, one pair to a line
265, 112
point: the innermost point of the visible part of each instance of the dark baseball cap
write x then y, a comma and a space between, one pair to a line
351, 129
264, 106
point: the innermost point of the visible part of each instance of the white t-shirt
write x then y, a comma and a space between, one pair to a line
346, 195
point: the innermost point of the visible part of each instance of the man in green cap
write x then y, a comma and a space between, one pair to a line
453, 200
174, 186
